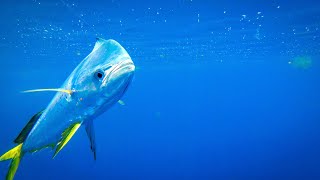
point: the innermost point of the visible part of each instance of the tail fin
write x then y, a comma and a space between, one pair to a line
16, 155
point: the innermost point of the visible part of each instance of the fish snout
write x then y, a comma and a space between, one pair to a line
119, 77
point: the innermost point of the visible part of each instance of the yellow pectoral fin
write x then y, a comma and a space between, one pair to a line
68, 91
66, 136
14, 154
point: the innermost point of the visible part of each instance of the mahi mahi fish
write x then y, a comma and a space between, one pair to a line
98, 82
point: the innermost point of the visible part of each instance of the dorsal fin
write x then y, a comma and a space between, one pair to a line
27, 128
91, 136
99, 42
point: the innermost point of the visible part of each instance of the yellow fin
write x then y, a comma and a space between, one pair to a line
68, 91
66, 136
11, 153
121, 102
14, 154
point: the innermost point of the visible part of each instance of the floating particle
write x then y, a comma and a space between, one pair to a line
301, 62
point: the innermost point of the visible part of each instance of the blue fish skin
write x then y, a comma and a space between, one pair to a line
98, 82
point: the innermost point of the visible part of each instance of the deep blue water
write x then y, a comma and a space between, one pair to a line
218, 91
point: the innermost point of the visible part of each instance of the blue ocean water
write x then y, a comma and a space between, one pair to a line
222, 89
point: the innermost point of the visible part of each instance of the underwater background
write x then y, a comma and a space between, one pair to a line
222, 89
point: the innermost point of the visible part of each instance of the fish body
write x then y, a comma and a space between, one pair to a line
98, 82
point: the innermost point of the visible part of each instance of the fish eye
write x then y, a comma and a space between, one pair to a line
99, 74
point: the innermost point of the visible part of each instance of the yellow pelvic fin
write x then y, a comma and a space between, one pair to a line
68, 91
66, 136
14, 154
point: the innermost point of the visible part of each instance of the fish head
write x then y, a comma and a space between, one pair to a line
114, 74
103, 76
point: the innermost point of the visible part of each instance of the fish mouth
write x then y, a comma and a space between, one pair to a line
126, 64
124, 67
